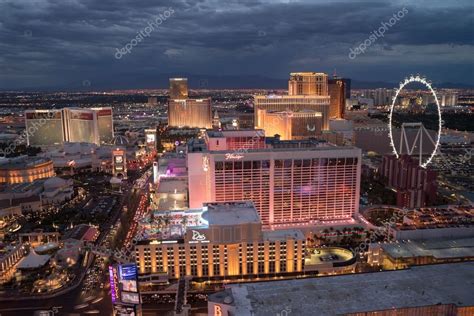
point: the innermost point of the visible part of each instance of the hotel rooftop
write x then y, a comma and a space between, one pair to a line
230, 213
339, 295
22, 162
437, 248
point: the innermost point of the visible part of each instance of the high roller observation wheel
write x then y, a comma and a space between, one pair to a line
422, 80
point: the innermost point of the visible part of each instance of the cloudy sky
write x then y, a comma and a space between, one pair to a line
64, 43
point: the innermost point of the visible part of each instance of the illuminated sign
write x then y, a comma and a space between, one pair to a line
128, 277
205, 163
129, 297
124, 284
114, 291
233, 156
217, 310
197, 236
81, 115
124, 310
150, 138
104, 112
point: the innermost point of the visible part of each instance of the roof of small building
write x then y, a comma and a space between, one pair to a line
362, 292
33, 261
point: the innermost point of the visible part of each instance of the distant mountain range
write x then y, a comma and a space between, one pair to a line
161, 81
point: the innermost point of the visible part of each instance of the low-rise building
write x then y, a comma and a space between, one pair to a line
25, 169
406, 253
34, 196
219, 241
444, 289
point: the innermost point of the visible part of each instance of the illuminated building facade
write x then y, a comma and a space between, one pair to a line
337, 90
152, 101
124, 291
216, 122
220, 241
25, 169
293, 103
291, 125
80, 126
287, 183
235, 139
105, 124
448, 98
307, 91
119, 163
192, 113
416, 186
54, 127
150, 139
178, 88
308, 83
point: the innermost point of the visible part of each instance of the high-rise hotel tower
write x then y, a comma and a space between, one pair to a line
186, 112
288, 181
178, 88
308, 83
53, 127
307, 91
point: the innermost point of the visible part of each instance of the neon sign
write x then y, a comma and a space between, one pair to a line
233, 156
197, 236
205, 163
217, 310
113, 284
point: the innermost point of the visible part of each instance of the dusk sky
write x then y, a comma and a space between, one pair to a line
63, 43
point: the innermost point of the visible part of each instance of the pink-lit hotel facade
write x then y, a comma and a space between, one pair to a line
288, 185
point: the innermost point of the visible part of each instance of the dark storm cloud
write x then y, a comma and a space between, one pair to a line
54, 42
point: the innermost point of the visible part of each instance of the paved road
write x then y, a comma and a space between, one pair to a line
75, 302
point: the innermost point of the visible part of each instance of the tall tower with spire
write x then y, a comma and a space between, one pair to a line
216, 122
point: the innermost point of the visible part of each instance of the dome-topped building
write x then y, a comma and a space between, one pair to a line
120, 141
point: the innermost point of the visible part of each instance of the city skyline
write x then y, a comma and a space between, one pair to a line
237, 157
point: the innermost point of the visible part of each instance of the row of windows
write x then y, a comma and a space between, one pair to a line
287, 163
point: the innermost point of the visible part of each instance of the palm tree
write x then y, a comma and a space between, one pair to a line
184, 222
167, 220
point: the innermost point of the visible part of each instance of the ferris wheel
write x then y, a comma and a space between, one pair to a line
422, 132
